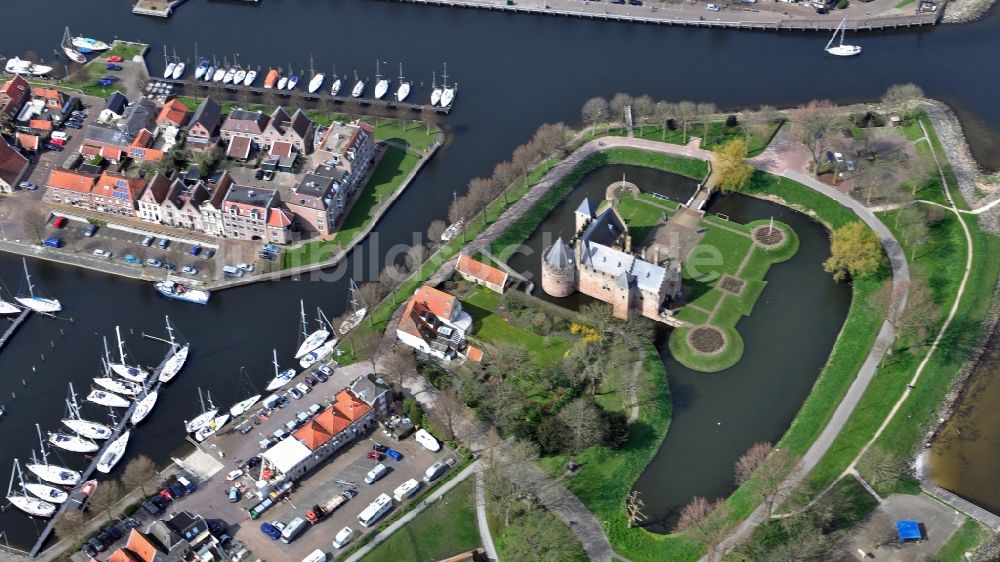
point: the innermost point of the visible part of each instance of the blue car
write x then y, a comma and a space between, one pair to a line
195, 250
103, 82
111, 66
270, 530
109, 77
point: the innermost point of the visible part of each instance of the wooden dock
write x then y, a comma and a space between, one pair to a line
14, 326
156, 8
89, 471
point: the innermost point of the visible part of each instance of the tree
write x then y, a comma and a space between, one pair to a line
633, 508
644, 111
913, 228
391, 277
106, 496
706, 523
415, 256
461, 209
729, 165
597, 315
70, 525
768, 468
550, 137
919, 316
399, 366
535, 536
900, 97
812, 123
617, 105
855, 251
435, 230
665, 112
365, 344
524, 157
36, 218
504, 174
750, 460
594, 111
371, 292
584, 426
139, 472
881, 468
759, 123
504, 493
686, 111
448, 412
508, 361
871, 179
705, 112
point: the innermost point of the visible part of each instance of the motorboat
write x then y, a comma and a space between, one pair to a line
178, 291
293, 81
251, 76
280, 378
238, 78
88, 487
20, 66
219, 74
206, 416
122, 368
109, 399
243, 405
199, 71
169, 70
282, 83
118, 387
72, 443
315, 339
210, 429
74, 55
32, 506
271, 78
353, 320
88, 43
452, 231
316, 82
144, 407
841, 50
381, 87
335, 87
318, 354
359, 89
46, 492
174, 364
229, 76
178, 71
8, 308
35, 303
113, 453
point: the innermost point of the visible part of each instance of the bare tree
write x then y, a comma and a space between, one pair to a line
493, 443
594, 112
550, 137
768, 468
900, 97
415, 256
524, 157
665, 113
429, 116
448, 411
462, 208
70, 525
812, 123
583, 423
505, 493
617, 106
706, 523
759, 124
106, 496
504, 174
391, 277
399, 366
750, 460
598, 315
633, 508
365, 345
686, 111
138, 473
435, 230
36, 218
882, 469
644, 111
705, 113
920, 315
371, 293
379, 112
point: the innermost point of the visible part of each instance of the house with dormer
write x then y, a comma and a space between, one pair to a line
212, 222
246, 128
253, 213
150, 203
181, 207
116, 194
203, 128
67, 187
298, 130
434, 324
131, 136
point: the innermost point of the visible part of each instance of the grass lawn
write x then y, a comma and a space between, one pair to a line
93, 70
395, 165
125, 50
511, 540
446, 528
412, 133
481, 303
970, 535
717, 133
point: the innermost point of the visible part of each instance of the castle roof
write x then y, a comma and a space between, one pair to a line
624, 268
584, 209
559, 255
605, 229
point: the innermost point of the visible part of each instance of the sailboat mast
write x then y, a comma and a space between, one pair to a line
41, 442
275, 362
170, 333
27, 277
305, 326
121, 345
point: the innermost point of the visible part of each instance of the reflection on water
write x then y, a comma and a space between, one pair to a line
966, 455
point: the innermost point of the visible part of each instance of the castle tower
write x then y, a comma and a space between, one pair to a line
584, 215
558, 270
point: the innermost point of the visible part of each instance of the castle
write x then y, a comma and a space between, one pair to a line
599, 262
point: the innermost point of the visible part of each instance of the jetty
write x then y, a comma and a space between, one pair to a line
9, 333
157, 8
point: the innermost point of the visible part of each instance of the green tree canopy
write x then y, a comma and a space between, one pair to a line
731, 169
855, 251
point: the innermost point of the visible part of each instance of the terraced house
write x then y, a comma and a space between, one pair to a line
252, 213
116, 194
134, 135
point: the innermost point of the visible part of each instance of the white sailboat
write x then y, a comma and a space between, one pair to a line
220, 71
210, 429
335, 87
404, 87
85, 428
358, 315
117, 386
74, 55
243, 405
7, 307
318, 354
50, 472
45, 492
168, 70
311, 340
841, 50
109, 399
113, 453
206, 416
175, 363
359, 86
72, 443
123, 369
239, 77
38, 304
24, 501
282, 83
251, 76
381, 85
144, 407
280, 378
199, 71
316, 82
435, 90
228, 77
447, 94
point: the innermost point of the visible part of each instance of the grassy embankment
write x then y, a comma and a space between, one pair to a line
716, 134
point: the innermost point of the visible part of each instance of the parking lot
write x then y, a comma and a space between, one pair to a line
45, 160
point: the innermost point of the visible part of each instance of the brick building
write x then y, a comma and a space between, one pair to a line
253, 213
149, 205
203, 128
116, 194
14, 93
70, 188
434, 324
13, 167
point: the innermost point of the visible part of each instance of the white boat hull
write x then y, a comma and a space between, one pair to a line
282, 82
844, 50
19, 66
199, 71
178, 71
210, 429
46, 492
118, 387
403, 91
436, 96
74, 55
447, 96
313, 341
129, 372
229, 76
144, 407
240, 75
335, 88
55, 474
109, 399
8, 308
174, 364
113, 453
32, 506
281, 380
88, 429
251, 76
38, 304
318, 354
359, 89
292, 82
88, 43
353, 321
218, 75
200, 421
316, 83
243, 405
169, 70
72, 443
381, 88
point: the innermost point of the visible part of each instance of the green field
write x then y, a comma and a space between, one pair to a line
970, 535
489, 326
446, 528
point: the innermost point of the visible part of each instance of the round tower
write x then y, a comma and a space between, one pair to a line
558, 270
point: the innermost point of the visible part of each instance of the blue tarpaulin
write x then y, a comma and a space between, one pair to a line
908, 530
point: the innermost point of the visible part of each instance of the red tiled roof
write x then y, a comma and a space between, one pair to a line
312, 435
239, 147
144, 138
110, 183
47, 93
350, 405
28, 141
474, 353
40, 124
173, 112
333, 420
71, 181
90, 150
366, 127
481, 271
282, 149
440, 303
140, 545
279, 218
12, 163
111, 153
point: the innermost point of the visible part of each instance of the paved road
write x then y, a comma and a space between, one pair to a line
484, 526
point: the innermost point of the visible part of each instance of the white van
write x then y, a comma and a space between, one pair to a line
315, 556
293, 530
406, 489
60, 135
231, 271
376, 473
375, 510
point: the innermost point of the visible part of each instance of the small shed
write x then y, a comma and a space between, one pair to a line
909, 530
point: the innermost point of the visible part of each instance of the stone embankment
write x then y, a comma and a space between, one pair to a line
963, 11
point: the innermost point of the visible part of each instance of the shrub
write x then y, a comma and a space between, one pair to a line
550, 435
841, 4
616, 428
731, 120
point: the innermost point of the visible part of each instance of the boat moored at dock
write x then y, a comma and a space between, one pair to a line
20, 66
113, 453
109, 399
178, 291
46, 492
318, 354
36, 303
144, 407
87, 43
72, 443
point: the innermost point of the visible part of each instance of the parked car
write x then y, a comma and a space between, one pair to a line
114, 58
73, 125
165, 495
343, 537
27, 185
148, 241
60, 142
132, 259
104, 83
303, 388
53, 147
53, 242
295, 393
325, 370
102, 253
375, 456
270, 530
272, 248
253, 461
97, 545
234, 494
635, 2
376, 473
208, 254
838, 157
195, 250
320, 375
713, 7
151, 508
266, 255
259, 174
268, 175
188, 270
394, 454
154, 262
188, 485
113, 67
233, 475
176, 490
822, 11
248, 267
109, 78
163, 243
59, 222
310, 380
433, 471
169, 266
91, 230
850, 165
113, 532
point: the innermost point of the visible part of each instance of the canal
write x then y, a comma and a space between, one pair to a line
514, 73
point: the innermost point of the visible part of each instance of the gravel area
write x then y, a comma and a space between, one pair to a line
961, 11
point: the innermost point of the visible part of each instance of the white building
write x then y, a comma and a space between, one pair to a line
434, 323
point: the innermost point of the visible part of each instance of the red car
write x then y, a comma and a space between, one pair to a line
375, 455
60, 142
165, 494
59, 222
115, 58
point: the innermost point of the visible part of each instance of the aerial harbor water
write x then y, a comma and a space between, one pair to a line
509, 87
